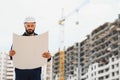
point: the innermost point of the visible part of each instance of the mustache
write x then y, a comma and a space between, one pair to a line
29, 29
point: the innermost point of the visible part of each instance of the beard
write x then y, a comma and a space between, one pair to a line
29, 31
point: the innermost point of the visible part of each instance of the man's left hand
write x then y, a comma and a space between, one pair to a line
46, 55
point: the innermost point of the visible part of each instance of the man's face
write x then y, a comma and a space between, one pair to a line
30, 27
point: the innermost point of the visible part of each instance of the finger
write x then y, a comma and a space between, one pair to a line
44, 55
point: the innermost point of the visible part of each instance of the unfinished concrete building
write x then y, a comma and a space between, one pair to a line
104, 47
58, 66
105, 41
84, 55
72, 62
55, 66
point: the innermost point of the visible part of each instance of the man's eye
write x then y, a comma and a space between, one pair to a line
28, 25
32, 25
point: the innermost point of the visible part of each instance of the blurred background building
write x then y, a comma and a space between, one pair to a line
6, 67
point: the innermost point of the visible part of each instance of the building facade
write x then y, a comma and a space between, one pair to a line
58, 66
72, 62
84, 56
49, 70
6, 67
104, 46
99, 71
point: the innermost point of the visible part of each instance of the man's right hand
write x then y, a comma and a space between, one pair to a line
12, 53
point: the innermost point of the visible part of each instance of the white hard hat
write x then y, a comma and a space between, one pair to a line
29, 19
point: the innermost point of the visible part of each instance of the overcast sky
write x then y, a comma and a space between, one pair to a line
92, 13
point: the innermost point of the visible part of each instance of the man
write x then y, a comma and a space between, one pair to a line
29, 74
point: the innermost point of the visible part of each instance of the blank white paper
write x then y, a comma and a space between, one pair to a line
29, 50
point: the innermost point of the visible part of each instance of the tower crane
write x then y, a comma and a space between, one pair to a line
63, 18
61, 23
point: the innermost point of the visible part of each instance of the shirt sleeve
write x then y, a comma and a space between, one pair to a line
11, 56
48, 59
